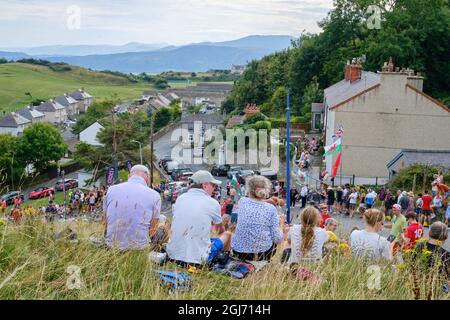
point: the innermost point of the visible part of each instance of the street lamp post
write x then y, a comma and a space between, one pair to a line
288, 157
140, 149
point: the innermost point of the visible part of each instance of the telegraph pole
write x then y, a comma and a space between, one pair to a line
116, 170
152, 123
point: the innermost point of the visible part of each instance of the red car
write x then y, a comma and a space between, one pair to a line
41, 192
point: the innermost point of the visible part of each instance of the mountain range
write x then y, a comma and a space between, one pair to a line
155, 58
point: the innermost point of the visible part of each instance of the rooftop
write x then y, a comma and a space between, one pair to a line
438, 158
344, 90
30, 113
13, 120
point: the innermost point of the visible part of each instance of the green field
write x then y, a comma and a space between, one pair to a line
44, 83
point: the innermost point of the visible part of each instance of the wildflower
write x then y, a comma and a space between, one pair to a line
407, 251
426, 252
344, 248
2, 222
388, 218
400, 266
332, 236
438, 242
422, 240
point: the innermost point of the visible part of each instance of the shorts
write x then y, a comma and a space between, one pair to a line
418, 210
426, 212
368, 206
352, 206
216, 247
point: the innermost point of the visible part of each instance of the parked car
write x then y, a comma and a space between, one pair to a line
184, 176
69, 184
163, 161
9, 197
176, 173
41, 192
243, 174
233, 170
268, 173
220, 170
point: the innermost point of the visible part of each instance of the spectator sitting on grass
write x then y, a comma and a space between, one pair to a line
307, 239
194, 212
131, 209
367, 243
259, 228
436, 255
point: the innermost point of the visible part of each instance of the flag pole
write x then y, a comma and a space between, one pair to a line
288, 157
340, 169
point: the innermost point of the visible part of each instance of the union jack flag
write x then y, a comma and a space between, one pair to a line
338, 133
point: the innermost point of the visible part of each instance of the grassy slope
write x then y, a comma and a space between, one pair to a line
41, 272
42, 82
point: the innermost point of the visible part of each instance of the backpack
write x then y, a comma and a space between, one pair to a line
175, 280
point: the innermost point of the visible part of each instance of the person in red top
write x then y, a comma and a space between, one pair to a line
324, 215
413, 232
17, 201
426, 208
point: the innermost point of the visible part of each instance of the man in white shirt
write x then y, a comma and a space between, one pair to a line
194, 213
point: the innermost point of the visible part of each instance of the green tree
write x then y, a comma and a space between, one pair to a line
96, 111
312, 94
11, 166
162, 118
254, 118
40, 144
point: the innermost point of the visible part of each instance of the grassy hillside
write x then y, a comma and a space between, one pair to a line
44, 83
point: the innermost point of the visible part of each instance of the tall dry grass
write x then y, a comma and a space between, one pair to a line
34, 264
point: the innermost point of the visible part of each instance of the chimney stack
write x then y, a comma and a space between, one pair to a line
353, 71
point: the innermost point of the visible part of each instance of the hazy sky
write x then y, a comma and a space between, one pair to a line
25, 23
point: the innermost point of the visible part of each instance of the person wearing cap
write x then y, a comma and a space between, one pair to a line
132, 209
432, 252
194, 213
397, 227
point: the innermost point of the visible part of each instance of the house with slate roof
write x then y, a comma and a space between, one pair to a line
408, 157
14, 124
30, 113
55, 113
71, 105
84, 99
381, 114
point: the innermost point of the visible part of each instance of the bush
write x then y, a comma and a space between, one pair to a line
254, 118
404, 178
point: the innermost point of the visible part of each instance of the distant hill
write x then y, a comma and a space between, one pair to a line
194, 57
270, 42
13, 55
188, 58
82, 50
42, 82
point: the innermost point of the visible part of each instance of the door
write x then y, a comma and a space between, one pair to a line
317, 120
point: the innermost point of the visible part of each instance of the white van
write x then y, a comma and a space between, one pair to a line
171, 165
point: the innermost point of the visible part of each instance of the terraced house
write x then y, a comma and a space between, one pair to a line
14, 124
83, 98
54, 112
381, 114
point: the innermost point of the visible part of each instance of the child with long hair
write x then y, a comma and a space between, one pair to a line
307, 239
